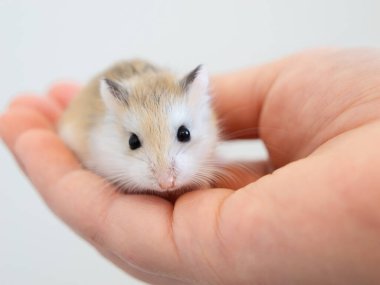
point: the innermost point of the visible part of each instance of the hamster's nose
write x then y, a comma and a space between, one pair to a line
166, 181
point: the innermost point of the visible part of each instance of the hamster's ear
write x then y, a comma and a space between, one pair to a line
113, 93
196, 83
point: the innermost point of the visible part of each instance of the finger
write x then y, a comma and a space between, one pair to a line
63, 93
140, 274
48, 107
311, 208
239, 98
137, 225
16, 121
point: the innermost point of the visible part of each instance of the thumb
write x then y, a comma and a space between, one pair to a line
239, 98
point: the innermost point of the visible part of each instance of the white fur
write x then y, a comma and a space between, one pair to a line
106, 94
199, 88
113, 163
108, 98
134, 170
67, 134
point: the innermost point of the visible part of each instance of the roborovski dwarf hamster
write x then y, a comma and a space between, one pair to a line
145, 129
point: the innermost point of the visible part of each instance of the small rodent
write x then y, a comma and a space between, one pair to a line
144, 129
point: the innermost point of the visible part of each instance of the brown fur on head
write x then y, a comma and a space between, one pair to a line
144, 123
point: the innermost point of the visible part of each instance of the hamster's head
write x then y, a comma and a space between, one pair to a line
166, 131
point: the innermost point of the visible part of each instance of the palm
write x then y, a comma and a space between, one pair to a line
300, 224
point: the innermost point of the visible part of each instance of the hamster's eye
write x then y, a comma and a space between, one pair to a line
134, 142
183, 134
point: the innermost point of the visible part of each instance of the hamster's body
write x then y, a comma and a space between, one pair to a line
143, 128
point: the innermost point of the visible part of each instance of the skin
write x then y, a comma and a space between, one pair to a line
314, 220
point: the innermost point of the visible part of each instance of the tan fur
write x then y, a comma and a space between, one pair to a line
137, 98
163, 90
87, 108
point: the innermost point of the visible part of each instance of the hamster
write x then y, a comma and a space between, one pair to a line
145, 129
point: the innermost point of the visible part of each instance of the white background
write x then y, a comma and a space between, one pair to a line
45, 41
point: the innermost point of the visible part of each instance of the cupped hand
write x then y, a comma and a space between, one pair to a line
314, 220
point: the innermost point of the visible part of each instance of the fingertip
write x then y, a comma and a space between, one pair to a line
14, 122
63, 92
22, 94
42, 139
45, 157
48, 107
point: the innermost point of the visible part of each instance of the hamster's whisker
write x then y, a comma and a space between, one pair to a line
103, 183
215, 171
122, 183
183, 148
239, 133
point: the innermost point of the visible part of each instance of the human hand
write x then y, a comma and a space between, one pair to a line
315, 220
